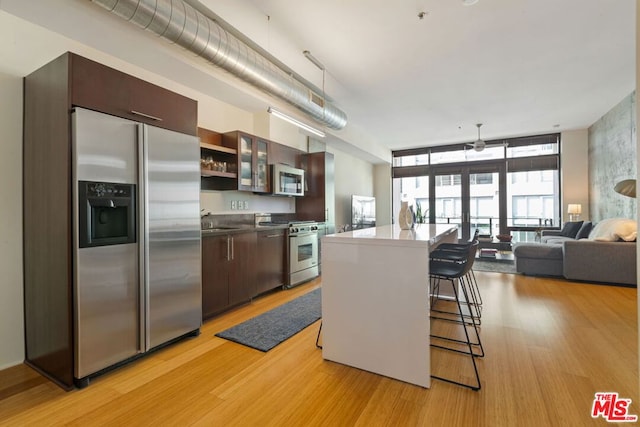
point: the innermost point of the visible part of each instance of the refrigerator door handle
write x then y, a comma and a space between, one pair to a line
232, 254
143, 238
147, 116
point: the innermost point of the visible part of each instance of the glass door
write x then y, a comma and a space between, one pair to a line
471, 197
447, 200
484, 203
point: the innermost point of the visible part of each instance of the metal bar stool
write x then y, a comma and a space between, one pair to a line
457, 252
443, 251
458, 272
447, 267
318, 345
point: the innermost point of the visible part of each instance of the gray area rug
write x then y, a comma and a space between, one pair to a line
495, 266
275, 326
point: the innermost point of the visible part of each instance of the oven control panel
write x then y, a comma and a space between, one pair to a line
303, 228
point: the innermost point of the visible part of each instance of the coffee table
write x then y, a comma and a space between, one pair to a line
503, 254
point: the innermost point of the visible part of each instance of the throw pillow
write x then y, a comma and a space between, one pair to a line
584, 231
571, 228
612, 229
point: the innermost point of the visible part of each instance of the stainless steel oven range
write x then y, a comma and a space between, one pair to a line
303, 252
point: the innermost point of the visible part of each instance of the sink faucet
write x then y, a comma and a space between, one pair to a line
205, 219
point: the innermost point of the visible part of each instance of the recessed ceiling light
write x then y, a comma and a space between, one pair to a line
469, 2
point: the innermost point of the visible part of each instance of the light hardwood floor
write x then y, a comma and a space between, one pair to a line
550, 346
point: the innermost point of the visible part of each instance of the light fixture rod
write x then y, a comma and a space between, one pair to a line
313, 59
296, 122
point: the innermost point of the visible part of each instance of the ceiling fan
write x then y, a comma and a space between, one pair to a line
479, 144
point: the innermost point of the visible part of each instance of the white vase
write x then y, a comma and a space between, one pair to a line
405, 217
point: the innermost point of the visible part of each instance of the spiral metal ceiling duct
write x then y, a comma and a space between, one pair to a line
180, 23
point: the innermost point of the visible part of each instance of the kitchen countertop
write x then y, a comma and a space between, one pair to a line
418, 236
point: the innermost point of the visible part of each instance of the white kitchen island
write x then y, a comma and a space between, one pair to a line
375, 299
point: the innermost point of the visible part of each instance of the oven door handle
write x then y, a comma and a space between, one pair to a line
313, 233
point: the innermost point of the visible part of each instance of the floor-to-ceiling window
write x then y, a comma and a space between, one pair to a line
512, 186
533, 188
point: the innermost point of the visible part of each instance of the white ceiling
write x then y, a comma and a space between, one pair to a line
518, 66
521, 67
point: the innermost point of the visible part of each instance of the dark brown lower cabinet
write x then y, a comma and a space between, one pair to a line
271, 260
228, 271
215, 288
242, 268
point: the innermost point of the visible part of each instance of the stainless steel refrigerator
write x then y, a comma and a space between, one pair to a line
137, 267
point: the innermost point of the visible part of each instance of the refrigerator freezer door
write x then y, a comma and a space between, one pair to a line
107, 310
106, 278
104, 147
171, 165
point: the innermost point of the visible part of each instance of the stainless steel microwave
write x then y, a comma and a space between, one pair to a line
287, 181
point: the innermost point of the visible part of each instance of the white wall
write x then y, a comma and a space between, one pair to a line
352, 176
11, 313
213, 114
575, 171
382, 190
283, 132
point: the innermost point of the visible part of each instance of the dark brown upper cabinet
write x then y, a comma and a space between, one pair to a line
110, 91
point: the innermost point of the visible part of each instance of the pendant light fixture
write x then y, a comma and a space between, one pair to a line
626, 187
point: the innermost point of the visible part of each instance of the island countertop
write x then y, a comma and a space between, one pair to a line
375, 299
392, 234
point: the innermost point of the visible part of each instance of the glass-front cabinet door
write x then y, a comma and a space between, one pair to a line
245, 167
261, 165
253, 166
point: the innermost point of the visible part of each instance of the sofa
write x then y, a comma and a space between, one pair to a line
605, 252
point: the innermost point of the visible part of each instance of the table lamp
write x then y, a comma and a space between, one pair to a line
574, 211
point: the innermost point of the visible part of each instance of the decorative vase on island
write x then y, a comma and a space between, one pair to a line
405, 217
